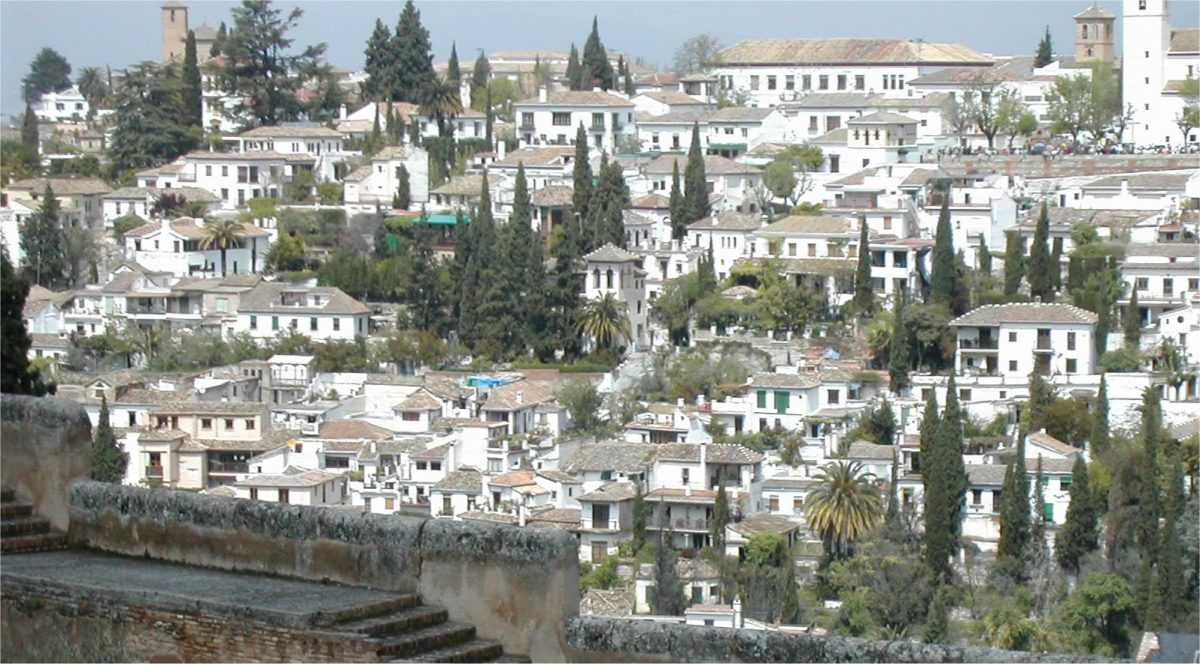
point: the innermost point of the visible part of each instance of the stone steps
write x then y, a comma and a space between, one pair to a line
23, 532
391, 624
425, 640
337, 620
476, 650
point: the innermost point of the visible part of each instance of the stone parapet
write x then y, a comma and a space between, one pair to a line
45, 444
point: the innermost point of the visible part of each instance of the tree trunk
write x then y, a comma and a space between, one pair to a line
223, 273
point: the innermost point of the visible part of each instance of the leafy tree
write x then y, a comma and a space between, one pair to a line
1070, 105
1096, 618
695, 186
679, 221
844, 506
696, 54
899, 357
780, 179
945, 273
193, 96
108, 461
287, 253
784, 306
1188, 117
1040, 283
1025, 127
574, 73
410, 69
1045, 51
1133, 321
597, 70
258, 66
403, 189
16, 375
669, 599
152, 121
49, 72
326, 104
864, 296
453, 71
582, 401
42, 242
990, 107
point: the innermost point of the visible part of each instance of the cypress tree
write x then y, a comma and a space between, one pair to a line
639, 517
485, 271
489, 119
668, 588
29, 138
1133, 321
453, 71
1055, 267
375, 140
539, 333
719, 519
390, 121
193, 99
1170, 579
1045, 51
789, 609
581, 196
985, 259
945, 483
1037, 530
424, 297
16, 377
1039, 259
411, 65
1078, 535
899, 355
481, 73
215, 50
679, 222
1041, 396
379, 83
864, 298
1014, 518
403, 189
928, 429
937, 622
42, 240
695, 186
458, 268
108, 461
597, 70
517, 241
1149, 510
1099, 433
1014, 265
945, 272
574, 72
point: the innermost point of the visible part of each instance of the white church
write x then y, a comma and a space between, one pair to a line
1156, 59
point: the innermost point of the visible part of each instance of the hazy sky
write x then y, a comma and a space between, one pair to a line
119, 33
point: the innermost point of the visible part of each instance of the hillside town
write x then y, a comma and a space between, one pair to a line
882, 338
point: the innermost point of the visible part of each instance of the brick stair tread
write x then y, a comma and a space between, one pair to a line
396, 623
29, 543
15, 510
26, 525
424, 640
476, 650
513, 659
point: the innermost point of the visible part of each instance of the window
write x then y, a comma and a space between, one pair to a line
806, 82
773, 503
860, 82
964, 394
833, 396
1064, 483
1012, 365
789, 82
312, 323
1070, 341
337, 324
447, 505
208, 171
1071, 366
250, 424
685, 476
762, 399
389, 504
560, 119
1142, 283
976, 497
253, 322
823, 82
206, 423
243, 174
435, 465
284, 497
421, 465
753, 82
835, 163
782, 401
224, 171
224, 193
228, 424
1048, 512
1012, 337
841, 82
770, 82
812, 124
275, 323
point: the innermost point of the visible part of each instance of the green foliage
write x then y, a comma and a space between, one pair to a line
582, 401
945, 271
1045, 51
1123, 360
1014, 265
945, 484
603, 576
108, 461
1097, 617
937, 622
1014, 520
695, 187
1078, 535
403, 198
720, 517
343, 356
864, 296
668, 597
48, 72
42, 241
151, 119
193, 95
845, 506
596, 70
885, 591
330, 193
1041, 284
700, 371
16, 376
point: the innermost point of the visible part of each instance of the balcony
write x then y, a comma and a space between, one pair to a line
1043, 343
154, 472
228, 467
978, 344
587, 523
598, 127
681, 524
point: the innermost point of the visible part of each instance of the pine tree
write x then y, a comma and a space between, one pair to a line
1014, 518
1133, 321
453, 72
581, 197
1078, 535
403, 189
410, 68
945, 273
193, 99
1045, 51
29, 138
695, 185
1098, 440
597, 70
899, 354
378, 67
42, 242
16, 376
1039, 259
574, 72
1014, 265
864, 297
108, 461
720, 519
678, 215
985, 259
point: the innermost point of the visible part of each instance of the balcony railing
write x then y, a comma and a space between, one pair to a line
681, 524
1043, 343
598, 126
611, 524
154, 472
978, 344
228, 467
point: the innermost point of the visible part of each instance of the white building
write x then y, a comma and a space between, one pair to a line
377, 181
140, 201
552, 118
233, 177
63, 106
730, 235
294, 486
321, 313
324, 145
177, 247
1014, 340
613, 271
1155, 61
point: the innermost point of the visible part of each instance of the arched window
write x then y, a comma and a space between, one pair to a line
595, 278
1085, 30
608, 278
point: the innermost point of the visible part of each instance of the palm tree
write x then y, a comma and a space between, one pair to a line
606, 320
844, 506
222, 235
93, 86
440, 100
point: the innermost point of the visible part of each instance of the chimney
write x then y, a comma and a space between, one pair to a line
703, 462
342, 112
542, 94
449, 457
520, 396
680, 403
520, 516
501, 149
596, 89
737, 612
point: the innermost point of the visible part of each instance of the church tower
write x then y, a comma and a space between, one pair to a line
1145, 38
174, 30
1094, 35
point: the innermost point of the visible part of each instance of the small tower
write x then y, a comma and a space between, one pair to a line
174, 30
1094, 35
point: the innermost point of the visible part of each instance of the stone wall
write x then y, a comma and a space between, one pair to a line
515, 585
592, 639
54, 624
45, 444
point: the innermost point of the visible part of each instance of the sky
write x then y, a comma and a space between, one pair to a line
123, 32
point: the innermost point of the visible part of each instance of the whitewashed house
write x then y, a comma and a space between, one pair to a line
321, 313
1014, 340
553, 117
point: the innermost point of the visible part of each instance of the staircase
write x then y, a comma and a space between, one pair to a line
21, 531
405, 630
